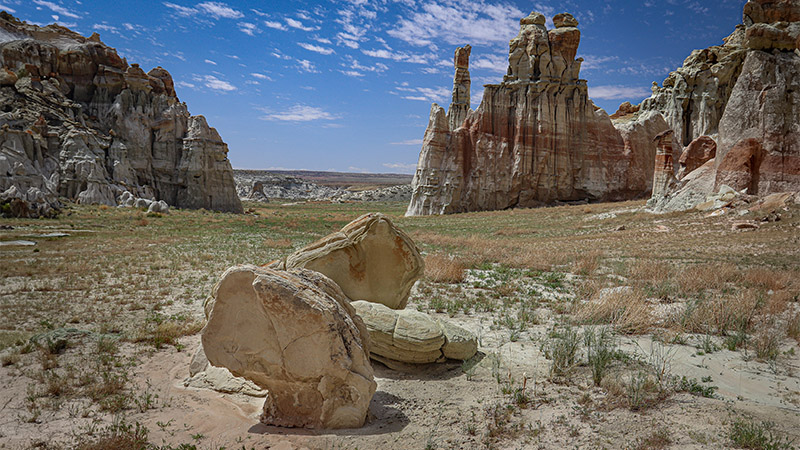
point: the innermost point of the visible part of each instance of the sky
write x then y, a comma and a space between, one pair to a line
347, 85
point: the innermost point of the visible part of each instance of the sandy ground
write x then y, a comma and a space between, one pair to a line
445, 406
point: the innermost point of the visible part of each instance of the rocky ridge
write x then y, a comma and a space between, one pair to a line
79, 122
735, 107
262, 186
535, 139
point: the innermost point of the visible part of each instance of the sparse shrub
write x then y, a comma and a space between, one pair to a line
757, 436
793, 327
657, 440
119, 436
278, 243
586, 263
693, 387
601, 348
700, 278
766, 341
441, 268
561, 347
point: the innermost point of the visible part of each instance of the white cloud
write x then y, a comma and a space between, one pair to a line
105, 27
398, 56
299, 25
216, 84
58, 9
182, 11
260, 76
358, 169
618, 92
401, 167
275, 25
307, 66
352, 73
457, 22
495, 63
208, 61
128, 26
438, 95
591, 62
219, 9
298, 113
316, 48
185, 84
6, 8
408, 142
248, 28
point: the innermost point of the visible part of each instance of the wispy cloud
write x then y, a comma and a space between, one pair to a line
6, 8
398, 56
275, 25
408, 142
458, 21
248, 28
401, 167
216, 84
299, 25
214, 10
307, 66
316, 48
495, 63
219, 9
298, 113
438, 95
58, 9
260, 76
208, 61
185, 84
618, 92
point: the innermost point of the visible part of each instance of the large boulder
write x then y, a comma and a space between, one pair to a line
294, 334
410, 336
370, 259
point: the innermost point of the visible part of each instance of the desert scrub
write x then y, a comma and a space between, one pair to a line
561, 347
443, 268
601, 349
758, 436
624, 309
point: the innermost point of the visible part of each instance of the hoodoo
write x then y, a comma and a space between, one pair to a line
535, 139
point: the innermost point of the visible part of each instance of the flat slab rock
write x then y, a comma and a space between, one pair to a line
410, 336
294, 334
369, 258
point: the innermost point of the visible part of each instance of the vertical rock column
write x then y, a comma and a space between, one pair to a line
664, 176
460, 106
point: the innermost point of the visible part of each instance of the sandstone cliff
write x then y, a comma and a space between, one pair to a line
535, 139
78, 121
749, 104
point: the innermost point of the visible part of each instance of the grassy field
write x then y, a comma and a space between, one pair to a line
581, 286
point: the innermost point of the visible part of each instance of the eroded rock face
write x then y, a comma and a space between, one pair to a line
97, 126
535, 139
758, 141
295, 334
697, 153
664, 175
370, 259
410, 336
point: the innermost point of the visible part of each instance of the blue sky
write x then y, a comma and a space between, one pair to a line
347, 85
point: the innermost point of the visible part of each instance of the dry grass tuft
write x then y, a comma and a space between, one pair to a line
651, 271
723, 313
442, 268
278, 243
586, 263
701, 277
625, 309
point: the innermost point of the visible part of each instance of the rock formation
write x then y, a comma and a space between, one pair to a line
369, 258
460, 106
410, 336
664, 173
295, 334
80, 122
697, 153
753, 84
535, 139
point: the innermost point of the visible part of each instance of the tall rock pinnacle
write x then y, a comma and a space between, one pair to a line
460, 106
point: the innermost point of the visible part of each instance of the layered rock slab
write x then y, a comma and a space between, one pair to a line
369, 258
535, 139
294, 334
410, 336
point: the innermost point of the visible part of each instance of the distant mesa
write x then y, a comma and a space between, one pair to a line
79, 122
535, 139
